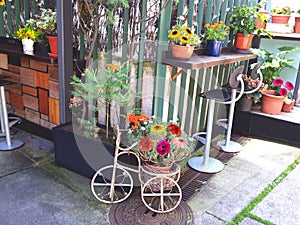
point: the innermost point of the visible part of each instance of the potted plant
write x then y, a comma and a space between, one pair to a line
183, 40
243, 25
28, 36
274, 95
288, 102
215, 35
281, 15
273, 64
264, 14
250, 84
85, 145
159, 144
297, 22
46, 23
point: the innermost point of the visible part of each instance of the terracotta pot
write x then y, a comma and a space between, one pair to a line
243, 42
297, 24
271, 103
182, 52
286, 107
156, 168
53, 46
281, 19
261, 24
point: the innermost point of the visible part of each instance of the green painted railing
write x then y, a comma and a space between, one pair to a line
171, 99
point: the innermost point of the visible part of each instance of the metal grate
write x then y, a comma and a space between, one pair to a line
191, 180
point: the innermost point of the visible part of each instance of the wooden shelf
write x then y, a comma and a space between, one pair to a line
198, 61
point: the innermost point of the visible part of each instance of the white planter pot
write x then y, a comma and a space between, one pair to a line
27, 46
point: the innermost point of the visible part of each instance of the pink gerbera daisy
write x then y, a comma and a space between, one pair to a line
289, 86
283, 91
179, 142
278, 82
163, 147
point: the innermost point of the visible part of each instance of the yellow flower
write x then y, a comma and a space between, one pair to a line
207, 25
30, 34
227, 27
174, 34
2, 2
184, 40
157, 128
187, 31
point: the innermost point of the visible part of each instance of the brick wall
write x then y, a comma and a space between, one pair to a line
35, 96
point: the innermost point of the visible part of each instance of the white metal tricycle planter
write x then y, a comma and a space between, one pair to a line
160, 191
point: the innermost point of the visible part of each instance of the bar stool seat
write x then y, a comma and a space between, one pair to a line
8, 144
206, 163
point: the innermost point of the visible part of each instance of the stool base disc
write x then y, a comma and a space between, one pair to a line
14, 144
232, 146
213, 165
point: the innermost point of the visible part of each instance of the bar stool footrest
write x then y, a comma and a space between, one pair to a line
200, 138
222, 123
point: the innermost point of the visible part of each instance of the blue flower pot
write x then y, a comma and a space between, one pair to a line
213, 48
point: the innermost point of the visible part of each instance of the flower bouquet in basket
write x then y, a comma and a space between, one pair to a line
159, 145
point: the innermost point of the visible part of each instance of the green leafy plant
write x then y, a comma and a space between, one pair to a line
282, 11
98, 90
216, 31
159, 142
183, 35
242, 20
273, 64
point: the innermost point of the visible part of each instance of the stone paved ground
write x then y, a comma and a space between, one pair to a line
35, 191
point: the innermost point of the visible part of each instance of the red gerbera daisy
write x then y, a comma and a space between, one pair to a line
146, 144
174, 129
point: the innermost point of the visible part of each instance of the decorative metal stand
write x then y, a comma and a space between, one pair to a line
160, 192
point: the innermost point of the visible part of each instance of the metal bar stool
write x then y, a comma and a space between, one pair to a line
8, 144
205, 163
228, 145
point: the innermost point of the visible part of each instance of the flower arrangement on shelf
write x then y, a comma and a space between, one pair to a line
27, 32
158, 142
282, 11
216, 31
183, 35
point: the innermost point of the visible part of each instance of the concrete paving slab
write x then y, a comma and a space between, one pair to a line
282, 205
206, 219
249, 221
33, 196
13, 161
233, 203
248, 173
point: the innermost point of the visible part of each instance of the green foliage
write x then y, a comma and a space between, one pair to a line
100, 89
273, 64
282, 11
242, 20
